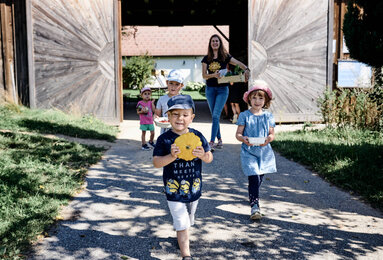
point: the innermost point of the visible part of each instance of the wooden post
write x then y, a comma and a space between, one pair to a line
8, 55
31, 66
118, 59
2, 83
340, 8
330, 56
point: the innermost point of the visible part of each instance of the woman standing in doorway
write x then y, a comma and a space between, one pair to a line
217, 59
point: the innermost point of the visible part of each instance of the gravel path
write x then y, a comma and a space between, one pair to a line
122, 214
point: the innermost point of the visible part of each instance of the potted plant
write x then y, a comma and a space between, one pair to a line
230, 76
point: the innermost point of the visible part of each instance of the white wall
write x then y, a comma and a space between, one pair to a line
191, 67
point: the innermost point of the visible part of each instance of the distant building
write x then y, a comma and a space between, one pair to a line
172, 47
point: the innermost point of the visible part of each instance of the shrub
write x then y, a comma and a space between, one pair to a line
137, 71
190, 86
360, 108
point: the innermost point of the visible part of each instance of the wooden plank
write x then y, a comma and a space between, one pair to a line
2, 83
118, 58
74, 56
31, 64
232, 79
298, 117
330, 33
288, 49
10, 92
336, 33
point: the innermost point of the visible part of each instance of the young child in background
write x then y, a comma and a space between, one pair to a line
145, 109
235, 95
175, 82
256, 160
182, 178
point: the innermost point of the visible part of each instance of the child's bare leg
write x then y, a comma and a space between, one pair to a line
237, 108
183, 242
233, 108
143, 137
151, 136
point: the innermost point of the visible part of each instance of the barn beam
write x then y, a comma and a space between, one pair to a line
10, 93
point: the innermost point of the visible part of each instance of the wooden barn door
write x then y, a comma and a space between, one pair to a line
288, 42
74, 56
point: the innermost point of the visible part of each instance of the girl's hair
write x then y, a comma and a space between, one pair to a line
263, 94
222, 52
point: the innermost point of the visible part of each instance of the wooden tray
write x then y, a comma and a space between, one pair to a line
229, 79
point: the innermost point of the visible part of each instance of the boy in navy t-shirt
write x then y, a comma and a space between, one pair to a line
182, 179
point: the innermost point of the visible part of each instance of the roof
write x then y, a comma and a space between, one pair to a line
169, 41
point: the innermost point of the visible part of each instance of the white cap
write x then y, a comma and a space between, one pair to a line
175, 75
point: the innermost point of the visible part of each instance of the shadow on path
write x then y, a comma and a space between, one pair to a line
123, 212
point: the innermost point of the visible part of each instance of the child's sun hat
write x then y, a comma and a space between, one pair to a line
257, 87
175, 75
180, 102
146, 88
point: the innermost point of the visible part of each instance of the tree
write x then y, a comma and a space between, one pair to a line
138, 71
363, 31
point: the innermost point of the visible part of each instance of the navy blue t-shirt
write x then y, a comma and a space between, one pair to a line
212, 67
182, 179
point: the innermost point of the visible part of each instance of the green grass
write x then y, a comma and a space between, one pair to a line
349, 158
196, 95
39, 175
133, 94
52, 121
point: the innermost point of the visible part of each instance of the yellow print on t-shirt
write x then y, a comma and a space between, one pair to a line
172, 186
214, 66
184, 188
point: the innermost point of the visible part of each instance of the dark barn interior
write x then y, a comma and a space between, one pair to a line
192, 12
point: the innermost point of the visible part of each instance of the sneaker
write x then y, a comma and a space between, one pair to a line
152, 144
219, 145
255, 212
145, 147
212, 146
235, 119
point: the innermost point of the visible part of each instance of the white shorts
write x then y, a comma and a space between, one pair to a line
183, 214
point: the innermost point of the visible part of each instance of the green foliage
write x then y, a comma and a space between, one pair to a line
37, 177
363, 31
306, 125
137, 71
347, 157
360, 108
133, 94
190, 86
234, 70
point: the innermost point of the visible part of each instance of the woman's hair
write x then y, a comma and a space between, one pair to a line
261, 93
222, 52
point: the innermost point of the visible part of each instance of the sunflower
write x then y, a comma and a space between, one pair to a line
187, 143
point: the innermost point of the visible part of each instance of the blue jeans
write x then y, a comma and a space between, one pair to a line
216, 99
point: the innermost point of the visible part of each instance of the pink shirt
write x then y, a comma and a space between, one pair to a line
146, 119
